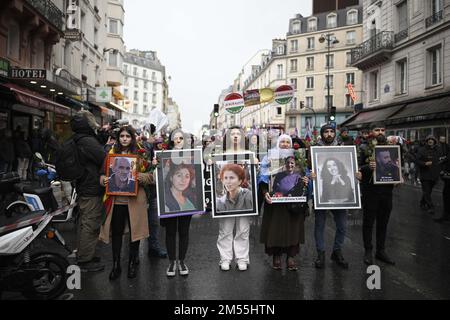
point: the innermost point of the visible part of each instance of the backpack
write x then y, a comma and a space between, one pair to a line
67, 161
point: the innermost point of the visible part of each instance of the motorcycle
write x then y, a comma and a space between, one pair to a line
37, 275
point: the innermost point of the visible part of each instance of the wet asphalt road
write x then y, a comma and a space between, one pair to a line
420, 247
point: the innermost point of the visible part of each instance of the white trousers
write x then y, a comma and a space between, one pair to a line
240, 243
22, 167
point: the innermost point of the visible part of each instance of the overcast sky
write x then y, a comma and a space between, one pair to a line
204, 43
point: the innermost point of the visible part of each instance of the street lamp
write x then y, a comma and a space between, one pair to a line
330, 40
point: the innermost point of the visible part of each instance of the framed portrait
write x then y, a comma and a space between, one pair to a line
180, 186
336, 186
388, 168
234, 190
286, 184
121, 170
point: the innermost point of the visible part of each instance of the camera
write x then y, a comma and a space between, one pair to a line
111, 131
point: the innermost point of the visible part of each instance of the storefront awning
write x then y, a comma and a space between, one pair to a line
423, 111
116, 106
365, 118
32, 99
107, 111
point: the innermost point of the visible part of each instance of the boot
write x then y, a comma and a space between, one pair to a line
132, 266
368, 258
337, 257
382, 256
116, 270
320, 261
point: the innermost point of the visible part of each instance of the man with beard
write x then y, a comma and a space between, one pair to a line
120, 179
386, 168
328, 138
376, 198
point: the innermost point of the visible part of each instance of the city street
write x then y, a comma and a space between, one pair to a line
419, 246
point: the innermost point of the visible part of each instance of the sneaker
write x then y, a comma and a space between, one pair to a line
182, 268
242, 266
225, 266
171, 269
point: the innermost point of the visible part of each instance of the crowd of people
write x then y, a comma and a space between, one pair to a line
107, 217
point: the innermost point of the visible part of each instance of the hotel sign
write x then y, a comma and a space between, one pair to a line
30, 74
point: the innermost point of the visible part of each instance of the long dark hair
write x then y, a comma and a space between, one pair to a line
325, 174
188, 193
118, 148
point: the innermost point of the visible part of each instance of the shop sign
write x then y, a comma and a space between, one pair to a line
284, 94
4, 67
103, 94
34, 74
233, 103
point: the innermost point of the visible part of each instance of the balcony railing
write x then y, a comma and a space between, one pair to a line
401, 35
51, 12
383, 40
433, 19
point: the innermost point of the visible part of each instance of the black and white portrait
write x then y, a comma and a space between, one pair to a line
335, 186
234, 185
180, 184
387, 170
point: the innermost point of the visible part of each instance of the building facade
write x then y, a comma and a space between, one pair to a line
145, 86
173, 115
320, 70
406, 74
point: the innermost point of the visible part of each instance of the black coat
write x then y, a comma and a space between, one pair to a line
92, 156
425, 154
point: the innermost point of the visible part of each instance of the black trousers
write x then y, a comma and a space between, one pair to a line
427, 188
120, 216
172, 225
376, 208
446, 198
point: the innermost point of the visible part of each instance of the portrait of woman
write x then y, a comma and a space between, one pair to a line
236, 197
288, 182
178, 191
336, 184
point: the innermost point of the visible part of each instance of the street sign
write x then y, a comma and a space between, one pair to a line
103, 94
351, 92
233, 103
284, 94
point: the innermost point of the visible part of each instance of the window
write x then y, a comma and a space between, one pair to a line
294, 65
145, 84
279, 71
329, 81
309, 82
153, 76
113, 26
292, 122
328, 101
113, 59
401, 76
351, 37
280, 50
145, 109
296, 27
349, 58
135, 71
373, 84
293, 104
402, 15
332, 21
350, 78
311, 43
329, 61
125, 93
310, 63
68, 56
310, 102
136, 83
154, 86
349, 101
126, 81
312, 24
352, 17
279, 111
294, 83
125, 68
135, 108
13, 40
307, 123
434, 66
144, 74
436, 6
145, 97
136, 95
154, 98
294, 45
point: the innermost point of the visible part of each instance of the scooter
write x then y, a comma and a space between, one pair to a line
41, 196
39, 275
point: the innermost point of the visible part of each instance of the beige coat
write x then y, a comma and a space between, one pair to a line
137, 208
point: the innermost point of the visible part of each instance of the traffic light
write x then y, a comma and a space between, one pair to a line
332, 114
216, 110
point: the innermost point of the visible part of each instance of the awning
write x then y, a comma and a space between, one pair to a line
365, 118
423, 111
33, 99
117, 94
115, 105
107, 111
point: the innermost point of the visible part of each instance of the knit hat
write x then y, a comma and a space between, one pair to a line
326, 127
377, 124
